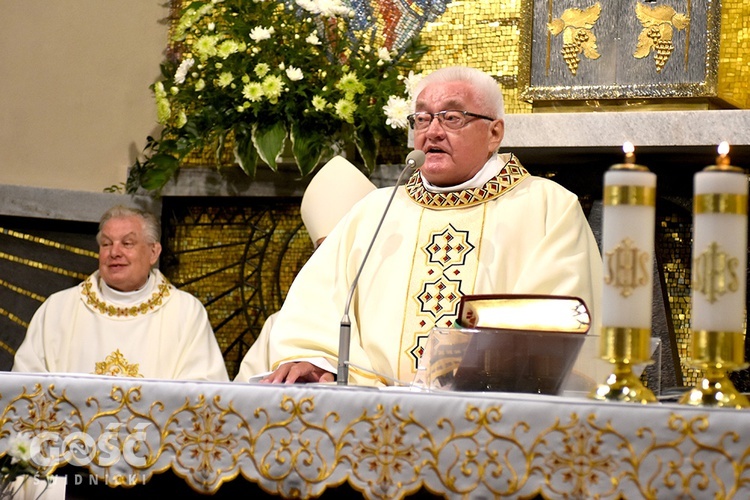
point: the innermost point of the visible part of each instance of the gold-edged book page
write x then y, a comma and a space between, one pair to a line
541, 313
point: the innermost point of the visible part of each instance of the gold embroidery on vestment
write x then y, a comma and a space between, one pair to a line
509, 176
117, 366
110, 310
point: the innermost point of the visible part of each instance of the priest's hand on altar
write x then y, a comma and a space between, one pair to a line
299, 372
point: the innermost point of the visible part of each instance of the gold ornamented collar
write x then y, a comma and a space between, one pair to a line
509, 176
89, 289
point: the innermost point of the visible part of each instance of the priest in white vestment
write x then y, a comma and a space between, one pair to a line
125, 319
470, 221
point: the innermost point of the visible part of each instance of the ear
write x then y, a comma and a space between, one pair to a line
155, 252
496, 133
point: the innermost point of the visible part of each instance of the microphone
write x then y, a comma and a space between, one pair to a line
414, 160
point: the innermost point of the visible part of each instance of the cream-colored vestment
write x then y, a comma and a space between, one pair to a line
515, 234
156, 332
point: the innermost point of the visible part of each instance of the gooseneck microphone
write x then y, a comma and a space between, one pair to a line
414, 160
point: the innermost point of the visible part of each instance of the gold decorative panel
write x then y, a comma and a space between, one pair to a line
635, 49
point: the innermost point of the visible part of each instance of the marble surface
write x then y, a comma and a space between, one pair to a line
611, 129
64, 204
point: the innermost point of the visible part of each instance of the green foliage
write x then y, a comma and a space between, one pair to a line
259, 72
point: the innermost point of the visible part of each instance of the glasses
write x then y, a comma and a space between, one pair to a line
450, 119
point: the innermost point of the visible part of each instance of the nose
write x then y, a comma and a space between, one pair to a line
115, 250
435, 127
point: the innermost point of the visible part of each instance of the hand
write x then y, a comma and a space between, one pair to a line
299, 372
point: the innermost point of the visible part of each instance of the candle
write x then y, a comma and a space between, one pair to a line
628, 244
719, 246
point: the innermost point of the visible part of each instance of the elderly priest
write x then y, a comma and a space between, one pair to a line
126, 319
470, 221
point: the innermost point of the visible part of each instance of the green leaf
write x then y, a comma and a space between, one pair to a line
269, 141
367, 146
307, 148
245, 152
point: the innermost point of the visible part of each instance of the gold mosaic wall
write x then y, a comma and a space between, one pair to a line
675, 232
734, 53
484, 34
238, 261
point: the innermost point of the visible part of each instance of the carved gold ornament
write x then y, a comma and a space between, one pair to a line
577, 25
658, 28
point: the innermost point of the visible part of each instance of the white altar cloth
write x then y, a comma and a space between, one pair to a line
299, 440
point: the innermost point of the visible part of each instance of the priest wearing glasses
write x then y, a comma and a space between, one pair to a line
469, 221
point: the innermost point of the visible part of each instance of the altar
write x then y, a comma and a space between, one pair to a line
304, 440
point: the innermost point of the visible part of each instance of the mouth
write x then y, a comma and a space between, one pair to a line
434, 150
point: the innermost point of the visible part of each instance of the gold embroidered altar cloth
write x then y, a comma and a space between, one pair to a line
301, 440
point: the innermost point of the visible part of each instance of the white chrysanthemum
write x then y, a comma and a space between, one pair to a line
396, 110
224, 79
227, 48
294, 74
313, 39
205, 47
259, 33
19, 448
345, 110
252, 91
319, 103
326, 8
411, 82
182, 70
383, 54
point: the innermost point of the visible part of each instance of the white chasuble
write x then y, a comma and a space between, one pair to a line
156, 332
516, 233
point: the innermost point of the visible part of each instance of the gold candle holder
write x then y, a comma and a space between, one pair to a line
627, 246
718, 282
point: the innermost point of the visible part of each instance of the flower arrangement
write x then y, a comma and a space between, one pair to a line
255, 73
17, 463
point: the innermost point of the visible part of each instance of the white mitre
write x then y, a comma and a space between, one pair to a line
336, 187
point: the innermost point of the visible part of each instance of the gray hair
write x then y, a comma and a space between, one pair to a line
488, 90
151, 227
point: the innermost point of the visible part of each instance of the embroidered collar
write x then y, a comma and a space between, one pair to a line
509, 176
90, 294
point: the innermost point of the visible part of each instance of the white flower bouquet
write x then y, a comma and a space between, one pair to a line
255, 73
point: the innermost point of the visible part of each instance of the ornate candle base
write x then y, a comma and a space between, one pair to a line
715, 390
624, 347
623, 385
717, 353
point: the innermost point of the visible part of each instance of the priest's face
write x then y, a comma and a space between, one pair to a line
125, 253
455, 156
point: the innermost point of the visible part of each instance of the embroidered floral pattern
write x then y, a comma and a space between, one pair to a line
145, 307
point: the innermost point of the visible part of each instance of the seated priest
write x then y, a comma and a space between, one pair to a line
331, 193
469, 221
125, 319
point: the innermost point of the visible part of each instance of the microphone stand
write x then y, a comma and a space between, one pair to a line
414, 160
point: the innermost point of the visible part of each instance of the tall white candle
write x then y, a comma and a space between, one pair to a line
628, 244
719, 248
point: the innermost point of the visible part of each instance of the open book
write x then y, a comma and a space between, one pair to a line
510, 343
